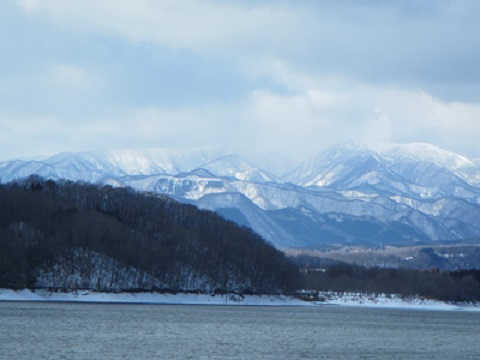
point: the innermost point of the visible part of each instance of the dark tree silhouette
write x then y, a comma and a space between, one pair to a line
67, 236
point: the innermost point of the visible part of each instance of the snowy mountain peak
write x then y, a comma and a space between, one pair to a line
428, 153
398, 168
332, 164
427, 164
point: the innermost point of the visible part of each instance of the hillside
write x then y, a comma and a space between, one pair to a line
64, 236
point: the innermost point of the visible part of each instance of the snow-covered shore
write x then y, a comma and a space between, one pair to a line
150, 298
392, 301
358, 300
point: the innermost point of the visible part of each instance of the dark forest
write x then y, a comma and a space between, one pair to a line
67, 236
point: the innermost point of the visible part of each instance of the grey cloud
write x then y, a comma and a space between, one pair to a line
396, 44
267, 76
417, 44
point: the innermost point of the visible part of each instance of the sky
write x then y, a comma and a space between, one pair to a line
259, 77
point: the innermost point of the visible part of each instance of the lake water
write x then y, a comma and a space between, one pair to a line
105, 331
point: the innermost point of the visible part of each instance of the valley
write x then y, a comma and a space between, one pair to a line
463, 255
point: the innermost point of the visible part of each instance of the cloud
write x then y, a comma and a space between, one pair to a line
299, 124
30, 6
263, 76
188, 24
320, 112
31, 135
70, 76
431, 43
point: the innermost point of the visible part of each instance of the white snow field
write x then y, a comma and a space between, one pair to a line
393, 301
330, 299
151, 298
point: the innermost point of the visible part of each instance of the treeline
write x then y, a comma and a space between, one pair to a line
462, 285
65, 235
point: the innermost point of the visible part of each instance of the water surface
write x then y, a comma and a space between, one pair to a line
106, 331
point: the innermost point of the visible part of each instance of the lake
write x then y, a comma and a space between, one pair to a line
106, 331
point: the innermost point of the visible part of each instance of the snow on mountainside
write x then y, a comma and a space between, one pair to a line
412, 170
104, 166
339, 162
428, 153
425, 159
160, 161
349, 193
73, 169
331, 165
233, 165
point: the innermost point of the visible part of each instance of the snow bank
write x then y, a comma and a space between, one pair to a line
348, 299
19, 295
392, 301
151, 298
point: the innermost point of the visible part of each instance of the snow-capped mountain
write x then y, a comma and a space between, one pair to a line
160, 161
428, 165
418, 170
331, 166
110, 164
347, 194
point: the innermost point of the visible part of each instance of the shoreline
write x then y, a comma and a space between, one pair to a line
380, 301
87, 296
384, 301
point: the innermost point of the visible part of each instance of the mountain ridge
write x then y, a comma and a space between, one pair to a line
347, 194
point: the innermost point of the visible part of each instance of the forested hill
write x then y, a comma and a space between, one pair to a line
65, 236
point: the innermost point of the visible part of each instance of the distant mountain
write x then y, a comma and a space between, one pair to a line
334, 165
348, 194
352, 165
429, 166
110, 164
160, 161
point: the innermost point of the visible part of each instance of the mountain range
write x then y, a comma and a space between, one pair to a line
349, 194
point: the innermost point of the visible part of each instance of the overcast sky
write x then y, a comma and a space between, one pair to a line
257, 76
